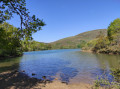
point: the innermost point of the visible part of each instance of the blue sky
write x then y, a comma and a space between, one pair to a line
66, 18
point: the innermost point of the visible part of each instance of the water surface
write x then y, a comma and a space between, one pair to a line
69, 65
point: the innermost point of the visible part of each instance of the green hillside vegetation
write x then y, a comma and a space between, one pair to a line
77, 41
34, 46
109, 44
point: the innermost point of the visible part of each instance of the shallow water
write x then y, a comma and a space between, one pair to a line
69, 65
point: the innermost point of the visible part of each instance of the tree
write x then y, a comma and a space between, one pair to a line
28, 25
9, 40
113, 29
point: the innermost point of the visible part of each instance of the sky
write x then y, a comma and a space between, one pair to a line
65, 18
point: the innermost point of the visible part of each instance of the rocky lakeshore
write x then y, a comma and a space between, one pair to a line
19, 80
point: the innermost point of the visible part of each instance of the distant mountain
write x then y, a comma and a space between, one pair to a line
78, 40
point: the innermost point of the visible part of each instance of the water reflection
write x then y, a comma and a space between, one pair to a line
9, 64
71, 65
49, 64
108, 61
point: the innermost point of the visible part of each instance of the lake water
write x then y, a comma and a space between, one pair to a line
69, 65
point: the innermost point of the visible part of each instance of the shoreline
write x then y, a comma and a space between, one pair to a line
111, 53
87, 51
19, 80
56, 84
6, 57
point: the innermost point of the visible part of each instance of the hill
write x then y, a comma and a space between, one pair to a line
77, 41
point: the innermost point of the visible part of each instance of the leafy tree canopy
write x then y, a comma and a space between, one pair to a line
114, 28
9, 40
28, 25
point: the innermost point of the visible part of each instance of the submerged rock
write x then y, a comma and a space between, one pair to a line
33, 74
23, 71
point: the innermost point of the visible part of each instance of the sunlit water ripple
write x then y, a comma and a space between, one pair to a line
69, 65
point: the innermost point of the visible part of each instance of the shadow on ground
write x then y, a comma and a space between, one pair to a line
17, 80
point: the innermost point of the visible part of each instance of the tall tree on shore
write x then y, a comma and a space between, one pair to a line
114, 29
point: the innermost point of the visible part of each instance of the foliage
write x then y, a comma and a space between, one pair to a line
82, 44
116, 74
12, 45
101, 42
106, 83
10, 37
28, 25
34, 46
9, 40
109, 44
113, 29
89, 45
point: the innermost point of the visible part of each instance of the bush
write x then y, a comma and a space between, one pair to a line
101, 43
82, 44
90, 45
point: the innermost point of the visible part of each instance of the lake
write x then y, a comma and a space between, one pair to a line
68, 65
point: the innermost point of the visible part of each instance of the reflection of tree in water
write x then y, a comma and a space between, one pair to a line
108, 61
9, 64
11, 78
9, 68
104, 60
